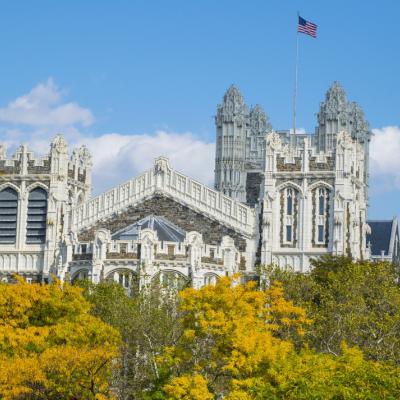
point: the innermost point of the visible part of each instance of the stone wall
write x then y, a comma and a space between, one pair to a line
180, 215
253, 186
283, 166
329, 165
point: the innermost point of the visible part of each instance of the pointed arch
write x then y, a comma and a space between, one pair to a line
35, 185
36, 215
319, 184
8, 214
10, 185
287, 184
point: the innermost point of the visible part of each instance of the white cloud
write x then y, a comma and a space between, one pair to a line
299, 131
119, 157
43, 106
385, 158
36, 117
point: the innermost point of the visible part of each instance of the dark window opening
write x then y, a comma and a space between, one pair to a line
288, 233
320, 233
37, 213
321, 204
8, 216
289, 205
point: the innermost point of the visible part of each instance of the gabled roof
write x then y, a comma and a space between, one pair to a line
382, 236
165, 229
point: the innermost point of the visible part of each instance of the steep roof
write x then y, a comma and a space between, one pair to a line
165, 229
380, 236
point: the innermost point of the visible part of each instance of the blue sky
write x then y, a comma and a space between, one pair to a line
143, 76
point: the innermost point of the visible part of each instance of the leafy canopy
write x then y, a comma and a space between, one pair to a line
50, 345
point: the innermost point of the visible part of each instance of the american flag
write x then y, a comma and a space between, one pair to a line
307, 27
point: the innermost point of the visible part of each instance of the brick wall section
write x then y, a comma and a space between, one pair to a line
180, 215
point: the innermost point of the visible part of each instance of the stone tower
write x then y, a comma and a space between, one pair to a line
337, 114
232, 122
240, 148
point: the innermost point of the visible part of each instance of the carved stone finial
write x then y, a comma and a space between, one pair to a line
344, 139
259, 121
232, 107
82, 157
274, 141
85, 157
59, 145
161, 165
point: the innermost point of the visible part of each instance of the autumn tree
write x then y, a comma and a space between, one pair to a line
308, 375
148, 321
358, 303
236, 344
230, 332
50, 345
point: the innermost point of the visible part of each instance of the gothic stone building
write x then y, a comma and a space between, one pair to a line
279, 198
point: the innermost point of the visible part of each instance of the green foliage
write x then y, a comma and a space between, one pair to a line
358, 303
148, 322
308, 375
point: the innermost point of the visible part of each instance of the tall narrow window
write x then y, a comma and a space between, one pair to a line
37, 212
8, 216
320, 233
288, 233
289, 203
321, 202
289, 217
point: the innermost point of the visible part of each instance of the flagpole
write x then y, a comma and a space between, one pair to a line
296, 76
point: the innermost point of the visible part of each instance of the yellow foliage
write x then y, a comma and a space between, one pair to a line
50, 345
230, 330
188, 387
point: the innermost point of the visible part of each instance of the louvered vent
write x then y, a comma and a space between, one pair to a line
8, 216
37, 211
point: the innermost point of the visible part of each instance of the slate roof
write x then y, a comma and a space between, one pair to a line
381, 232
165, 229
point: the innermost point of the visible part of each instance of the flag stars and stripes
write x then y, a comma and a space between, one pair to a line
307, 27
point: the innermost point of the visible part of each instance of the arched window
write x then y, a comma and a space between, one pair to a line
37, 212
210, 279
170, 280
289, 217
320, 217
8, 216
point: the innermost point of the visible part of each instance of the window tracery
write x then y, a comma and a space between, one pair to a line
289, 217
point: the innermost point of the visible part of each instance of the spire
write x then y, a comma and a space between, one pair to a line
336, 94
335, 103
233, 94
233, 107
259, 121
337, 114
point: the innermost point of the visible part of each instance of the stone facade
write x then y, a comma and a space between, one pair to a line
313, 197
182, 216
279, 198
27, 251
